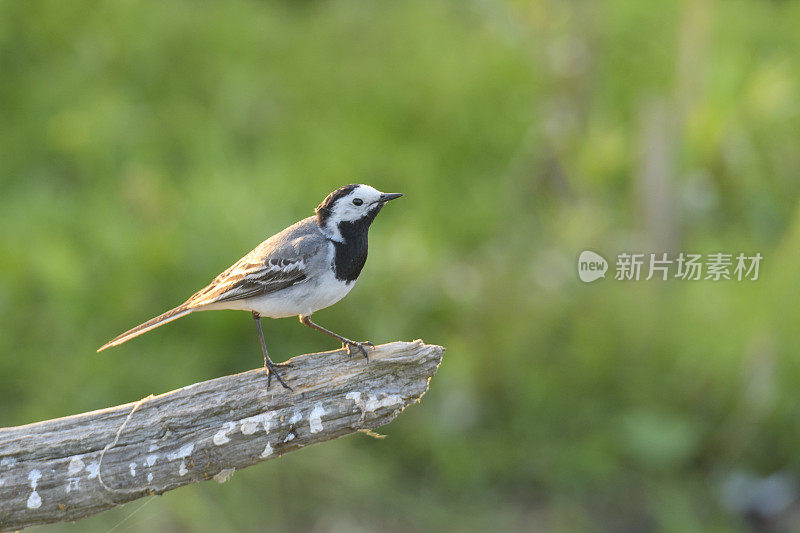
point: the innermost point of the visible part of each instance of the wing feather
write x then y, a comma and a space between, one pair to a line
262, 271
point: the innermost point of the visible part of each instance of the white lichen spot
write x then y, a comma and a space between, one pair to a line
182, 470
93, 469
34, 500
250, 425
315, 418
75, 465
34, 476
289, 437
224, 475
390, 400
151, 459
356, 397
267, 451
267, 422
132, 466
221, 436
296, 417
8, 461
372, 403
152, 448
149, 478
2, 482
72, 484
184, 452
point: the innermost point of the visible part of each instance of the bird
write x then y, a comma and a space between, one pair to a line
308, 266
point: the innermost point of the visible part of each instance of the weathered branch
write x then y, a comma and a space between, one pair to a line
73, 467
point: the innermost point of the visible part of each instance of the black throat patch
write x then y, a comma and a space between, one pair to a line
350, 255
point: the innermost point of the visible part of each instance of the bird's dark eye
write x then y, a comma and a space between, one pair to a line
358, 201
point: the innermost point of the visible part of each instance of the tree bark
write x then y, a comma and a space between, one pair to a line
70, 468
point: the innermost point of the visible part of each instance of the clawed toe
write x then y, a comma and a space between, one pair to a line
349, 345
273, 371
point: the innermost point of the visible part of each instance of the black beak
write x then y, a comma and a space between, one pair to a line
390, 196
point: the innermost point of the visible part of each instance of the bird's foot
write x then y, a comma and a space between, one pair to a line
348, 345
272, 369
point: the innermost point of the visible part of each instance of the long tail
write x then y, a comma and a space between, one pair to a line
153, 323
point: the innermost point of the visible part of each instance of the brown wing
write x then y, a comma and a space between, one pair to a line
275, 264
253, 275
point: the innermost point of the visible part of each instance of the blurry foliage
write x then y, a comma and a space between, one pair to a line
145, 146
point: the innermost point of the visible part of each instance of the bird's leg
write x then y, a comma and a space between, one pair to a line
269, 366
347, 344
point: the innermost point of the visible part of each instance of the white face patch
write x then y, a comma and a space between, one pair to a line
355, 205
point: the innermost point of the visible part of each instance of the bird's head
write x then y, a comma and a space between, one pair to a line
351, 205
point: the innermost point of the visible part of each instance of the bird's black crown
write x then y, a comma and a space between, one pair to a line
323, 210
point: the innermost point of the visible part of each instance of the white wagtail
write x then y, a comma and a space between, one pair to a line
306, 267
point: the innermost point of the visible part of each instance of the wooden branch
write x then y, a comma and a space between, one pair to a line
73, 467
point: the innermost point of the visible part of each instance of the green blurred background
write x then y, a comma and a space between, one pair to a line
145, 146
